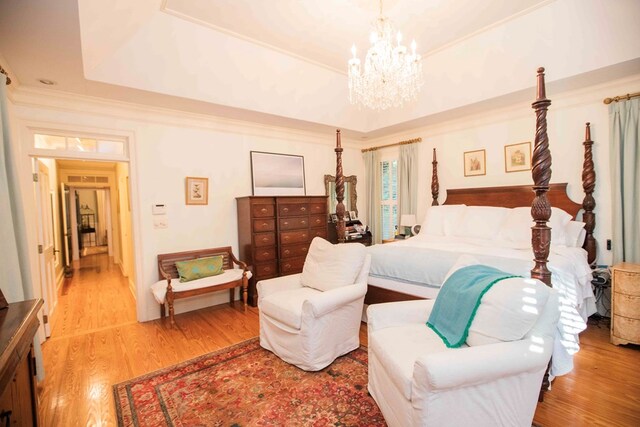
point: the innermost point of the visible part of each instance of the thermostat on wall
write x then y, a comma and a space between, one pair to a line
159, 209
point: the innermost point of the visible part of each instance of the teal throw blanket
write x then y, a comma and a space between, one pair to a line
458, 301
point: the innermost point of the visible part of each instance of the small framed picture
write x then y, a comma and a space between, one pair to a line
347, 217
475, 163
334, 218
353, 215
197, 191
517, 157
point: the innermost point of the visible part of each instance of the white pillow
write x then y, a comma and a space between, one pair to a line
575, 234
441, 220
508, 311
481, 222
330, 266
517, 226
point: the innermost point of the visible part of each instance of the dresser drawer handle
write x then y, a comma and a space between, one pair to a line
264, 224
265, 239
303, 209
286, 223
287, 266
285, 209
287, 252
318, 221
285, 238
304, 235
263, 210
304, 249
267, 269
265, 253
303, 222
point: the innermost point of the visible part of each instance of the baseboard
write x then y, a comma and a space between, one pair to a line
132, 288
59, 280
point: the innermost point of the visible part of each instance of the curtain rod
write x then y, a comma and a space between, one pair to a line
408, 141
621, 97
2, 71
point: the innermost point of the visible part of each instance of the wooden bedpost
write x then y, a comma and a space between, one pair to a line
435, 186
340, 226
541, 171
589, 203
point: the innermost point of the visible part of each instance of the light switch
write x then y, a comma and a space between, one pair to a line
160, 221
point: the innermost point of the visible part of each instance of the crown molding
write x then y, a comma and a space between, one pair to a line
84, 104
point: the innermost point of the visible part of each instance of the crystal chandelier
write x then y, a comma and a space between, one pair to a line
390, 76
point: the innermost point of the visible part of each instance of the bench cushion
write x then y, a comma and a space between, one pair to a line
159, 288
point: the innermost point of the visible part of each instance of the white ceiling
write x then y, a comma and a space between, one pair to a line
324, 31
282, 62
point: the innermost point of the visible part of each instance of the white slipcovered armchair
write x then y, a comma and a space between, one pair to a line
489, 381
310, 319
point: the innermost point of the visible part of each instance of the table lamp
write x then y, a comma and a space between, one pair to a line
407, 221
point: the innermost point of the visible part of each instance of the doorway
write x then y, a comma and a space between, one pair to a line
84, 223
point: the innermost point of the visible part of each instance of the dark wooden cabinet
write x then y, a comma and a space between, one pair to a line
18, 397
274, 234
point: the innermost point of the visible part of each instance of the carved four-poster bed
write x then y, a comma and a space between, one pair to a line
545, 195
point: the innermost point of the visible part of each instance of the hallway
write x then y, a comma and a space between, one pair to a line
97, 296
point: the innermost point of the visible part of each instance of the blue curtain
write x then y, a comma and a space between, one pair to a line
372, 190
16, 281
624, 136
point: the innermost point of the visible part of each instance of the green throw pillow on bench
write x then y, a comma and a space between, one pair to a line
199, 268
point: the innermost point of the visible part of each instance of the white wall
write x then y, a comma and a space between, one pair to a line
168, 147
494, 129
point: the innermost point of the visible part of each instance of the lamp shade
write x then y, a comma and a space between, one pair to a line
407, 220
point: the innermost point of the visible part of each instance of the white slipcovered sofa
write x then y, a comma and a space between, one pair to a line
492, 380
311, 318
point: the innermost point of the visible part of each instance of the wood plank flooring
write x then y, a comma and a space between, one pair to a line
96, 343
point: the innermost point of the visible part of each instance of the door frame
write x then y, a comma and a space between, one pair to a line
23, 160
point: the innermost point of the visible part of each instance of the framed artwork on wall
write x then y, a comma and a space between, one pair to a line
275, 174
197, 191
517, 157
475, 163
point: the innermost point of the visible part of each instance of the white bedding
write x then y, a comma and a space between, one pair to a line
417, 266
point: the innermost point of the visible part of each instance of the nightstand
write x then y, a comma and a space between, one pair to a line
625, 303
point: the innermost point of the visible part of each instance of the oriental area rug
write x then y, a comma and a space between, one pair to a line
246, 385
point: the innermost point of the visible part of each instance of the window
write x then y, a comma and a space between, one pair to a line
83, 145
389, 198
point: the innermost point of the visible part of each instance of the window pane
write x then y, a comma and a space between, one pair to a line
394, 180
385, 180
82, 144
385, 216
49, 142
111, 147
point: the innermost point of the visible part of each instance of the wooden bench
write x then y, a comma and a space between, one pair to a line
168, 271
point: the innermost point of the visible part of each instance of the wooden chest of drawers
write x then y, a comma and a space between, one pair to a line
625, 303
274, 234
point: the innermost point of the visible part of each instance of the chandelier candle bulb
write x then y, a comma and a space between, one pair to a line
389, 76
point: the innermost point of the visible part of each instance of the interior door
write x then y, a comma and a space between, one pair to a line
46, 246
65, 206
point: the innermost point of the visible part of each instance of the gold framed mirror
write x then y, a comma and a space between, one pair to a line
350, 193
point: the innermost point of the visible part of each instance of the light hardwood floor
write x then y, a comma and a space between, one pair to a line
96, 342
